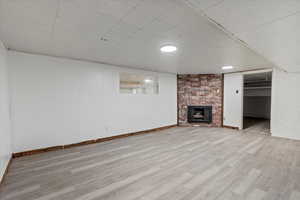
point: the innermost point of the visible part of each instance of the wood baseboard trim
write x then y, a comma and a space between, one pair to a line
231, 127
6, 171
55, 148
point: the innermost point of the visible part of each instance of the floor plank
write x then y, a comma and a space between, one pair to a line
176, 164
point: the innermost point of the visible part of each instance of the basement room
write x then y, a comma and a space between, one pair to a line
149, 100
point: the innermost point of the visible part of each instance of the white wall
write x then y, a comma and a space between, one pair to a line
58, 101
5, 125
285, 116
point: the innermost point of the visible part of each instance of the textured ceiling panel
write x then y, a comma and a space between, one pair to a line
126, 33
270, 27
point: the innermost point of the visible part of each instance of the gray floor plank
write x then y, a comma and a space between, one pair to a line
180, 163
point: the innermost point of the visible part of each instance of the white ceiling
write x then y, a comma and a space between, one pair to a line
135, 30
270, 27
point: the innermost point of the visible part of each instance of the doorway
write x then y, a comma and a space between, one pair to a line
257, 103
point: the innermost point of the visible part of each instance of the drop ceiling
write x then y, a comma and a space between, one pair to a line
130, 33
270, 27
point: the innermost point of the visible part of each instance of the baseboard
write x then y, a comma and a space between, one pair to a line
231, 127
6, 171
198, 125
38, 151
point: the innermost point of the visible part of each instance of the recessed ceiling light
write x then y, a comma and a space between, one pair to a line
148, 80
168, 49
227, 67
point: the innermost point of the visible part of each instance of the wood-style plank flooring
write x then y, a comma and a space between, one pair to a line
257, 125
182, 163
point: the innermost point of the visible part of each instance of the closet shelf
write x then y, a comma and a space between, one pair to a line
256, 88
257, 95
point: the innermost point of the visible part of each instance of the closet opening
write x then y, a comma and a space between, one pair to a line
257, 103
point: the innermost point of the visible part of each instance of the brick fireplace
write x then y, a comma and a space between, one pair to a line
203, 90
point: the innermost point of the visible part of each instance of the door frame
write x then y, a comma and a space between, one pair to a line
243, 73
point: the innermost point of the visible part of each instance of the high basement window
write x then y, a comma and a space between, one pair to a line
138, 84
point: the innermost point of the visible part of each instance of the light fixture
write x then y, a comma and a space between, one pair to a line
227, 67
148, 80
168, 49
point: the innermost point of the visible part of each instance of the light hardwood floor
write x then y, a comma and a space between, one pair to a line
256, 125
190, 163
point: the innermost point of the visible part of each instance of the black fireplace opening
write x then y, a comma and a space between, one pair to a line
199, 114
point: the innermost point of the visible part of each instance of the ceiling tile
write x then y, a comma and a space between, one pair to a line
279, 41
116, 8
270, 27
204, 4
246, 16
135, 30
23, 22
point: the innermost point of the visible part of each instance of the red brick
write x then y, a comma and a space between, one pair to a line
202, 90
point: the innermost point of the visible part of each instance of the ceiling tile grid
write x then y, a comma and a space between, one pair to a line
270, 27
126, 33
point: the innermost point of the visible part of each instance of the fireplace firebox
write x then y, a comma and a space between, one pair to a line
200, 114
